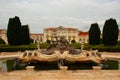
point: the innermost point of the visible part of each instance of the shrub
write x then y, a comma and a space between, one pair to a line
48, 41
76, 45
73, 41
44, 45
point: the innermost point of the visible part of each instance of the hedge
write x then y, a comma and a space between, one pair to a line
101, 47
8, 48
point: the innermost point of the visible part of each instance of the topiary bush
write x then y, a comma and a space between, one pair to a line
48, 41
73, 41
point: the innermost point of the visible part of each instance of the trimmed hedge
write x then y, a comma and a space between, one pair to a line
76, 45
8, 48
44, 45
14, 49
101, 47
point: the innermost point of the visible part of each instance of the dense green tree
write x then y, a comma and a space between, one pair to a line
14, 31
110, 32
94, 34
10, 36
25, 34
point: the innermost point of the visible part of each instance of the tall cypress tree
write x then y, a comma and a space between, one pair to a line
25, 34
18, 30
110, 32
94, 34
10, 32
14, 31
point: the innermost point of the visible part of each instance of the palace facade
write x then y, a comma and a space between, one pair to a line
37, 37
69, 33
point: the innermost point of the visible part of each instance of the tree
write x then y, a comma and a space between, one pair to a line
25, 34
14, 31
110, 32
94, 34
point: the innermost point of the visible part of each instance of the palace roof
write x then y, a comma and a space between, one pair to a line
83, 33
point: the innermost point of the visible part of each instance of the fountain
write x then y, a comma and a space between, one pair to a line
61, 51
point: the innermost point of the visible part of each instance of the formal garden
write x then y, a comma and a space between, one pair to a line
44, 66
21, 42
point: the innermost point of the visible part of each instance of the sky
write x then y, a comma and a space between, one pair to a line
41, 14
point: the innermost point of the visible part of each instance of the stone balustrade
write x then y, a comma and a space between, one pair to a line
62, 74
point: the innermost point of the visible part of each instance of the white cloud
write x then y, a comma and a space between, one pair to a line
77, 13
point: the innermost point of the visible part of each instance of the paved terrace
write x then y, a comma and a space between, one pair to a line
111, 54
9, 55
62, 74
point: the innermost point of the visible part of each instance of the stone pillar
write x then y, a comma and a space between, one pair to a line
63, 69
97, 70
64, 75
30, 70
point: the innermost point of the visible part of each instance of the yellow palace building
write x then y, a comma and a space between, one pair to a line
68, 33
